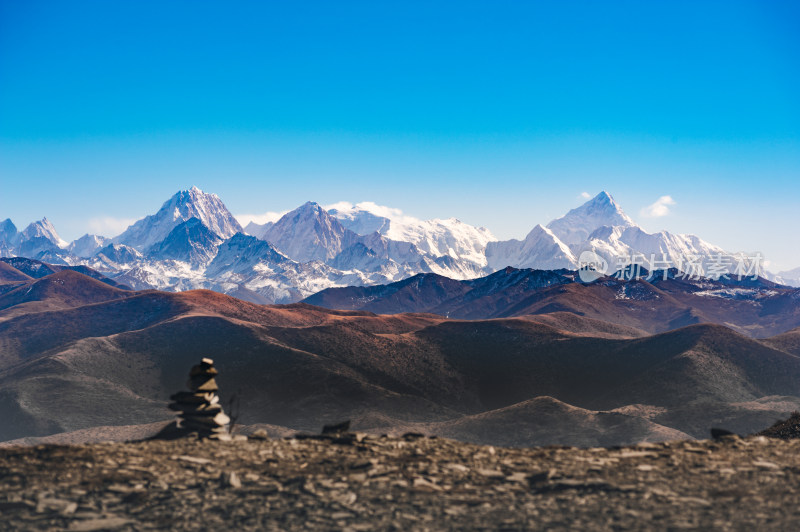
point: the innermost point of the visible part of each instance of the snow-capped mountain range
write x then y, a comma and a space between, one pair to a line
601, 226
193, 241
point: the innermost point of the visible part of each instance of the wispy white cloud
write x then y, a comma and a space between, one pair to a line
341, 206
108, 225
259, 219
585, 195
659, 208
396, 215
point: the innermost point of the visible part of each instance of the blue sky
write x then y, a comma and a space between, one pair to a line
498, 113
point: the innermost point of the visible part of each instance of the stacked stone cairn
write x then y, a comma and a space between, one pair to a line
199, 408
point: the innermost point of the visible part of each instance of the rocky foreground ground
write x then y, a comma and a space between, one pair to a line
361, 482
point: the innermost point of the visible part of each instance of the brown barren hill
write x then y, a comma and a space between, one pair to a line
788, 341
9, 274
547, 421
116, 362
757, 308
63, 289
421, 293
573, 323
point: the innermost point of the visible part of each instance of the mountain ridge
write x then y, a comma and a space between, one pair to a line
754, 308
120, 354
322, 250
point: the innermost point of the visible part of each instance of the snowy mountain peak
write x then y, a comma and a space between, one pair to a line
308, 211
310, 208
87, 245
439, 238
193, 241
241, 253
37, 238
604, 198
190, 242
576, 226
538, 228
604, 204
118, 254
184, 205
8, 231
42, 229
541, 249
309, 233
363, 218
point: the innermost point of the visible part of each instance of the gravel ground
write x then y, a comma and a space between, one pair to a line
360, 482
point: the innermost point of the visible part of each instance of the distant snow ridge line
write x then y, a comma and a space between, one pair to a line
194, 241
436, 237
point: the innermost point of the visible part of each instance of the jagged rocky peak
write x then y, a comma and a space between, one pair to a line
37, 238
184, 205
119, 253
308, 213
576, 226
42, 229
310, 210
540, 249
357, 257
190, 241
207, 208
309, 233
8, 231
241, 253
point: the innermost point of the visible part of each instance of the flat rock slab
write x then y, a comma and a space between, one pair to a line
411, 483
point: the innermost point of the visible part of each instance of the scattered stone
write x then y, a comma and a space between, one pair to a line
396, 483
766, 465
69, 509
491, 473
107, 523
260, 434
420, 482
519, 476
64, 506
231, 480
192, 459
694, 500
637, 454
